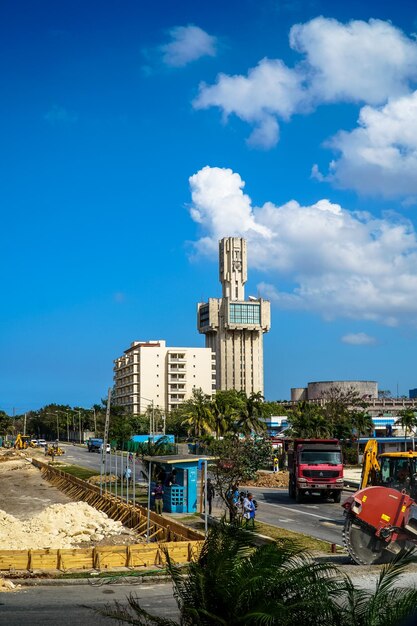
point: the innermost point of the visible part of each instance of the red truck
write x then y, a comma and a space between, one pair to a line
315, 466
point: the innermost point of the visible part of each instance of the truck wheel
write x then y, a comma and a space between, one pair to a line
298, 495
337, 496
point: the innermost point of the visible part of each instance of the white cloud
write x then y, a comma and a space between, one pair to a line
188, 43
270, 90
358, 339
380, 156
341, 263
364, 62
358, 61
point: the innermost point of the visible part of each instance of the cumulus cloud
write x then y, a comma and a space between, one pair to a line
381, 154
188, 43
270, 90
358, 339
363, 62
340, 263
358, 61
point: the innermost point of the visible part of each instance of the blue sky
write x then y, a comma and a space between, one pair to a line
135, 135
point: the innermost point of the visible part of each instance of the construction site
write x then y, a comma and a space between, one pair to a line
52, 522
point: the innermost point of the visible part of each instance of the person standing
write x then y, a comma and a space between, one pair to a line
249, 511
276, 464
210, 495
158, 493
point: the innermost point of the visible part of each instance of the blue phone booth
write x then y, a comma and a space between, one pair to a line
179, 477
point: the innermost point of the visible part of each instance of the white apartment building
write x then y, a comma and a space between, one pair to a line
150, 374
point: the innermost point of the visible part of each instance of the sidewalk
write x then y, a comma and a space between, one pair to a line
352, 476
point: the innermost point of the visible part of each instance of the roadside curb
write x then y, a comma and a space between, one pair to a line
140, 579
352, 485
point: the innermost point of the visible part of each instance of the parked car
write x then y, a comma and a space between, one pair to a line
41, 443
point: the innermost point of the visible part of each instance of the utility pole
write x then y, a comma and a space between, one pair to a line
79, 424
24, 425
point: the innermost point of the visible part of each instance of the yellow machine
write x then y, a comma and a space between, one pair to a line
397, 470
54, 451
22, 442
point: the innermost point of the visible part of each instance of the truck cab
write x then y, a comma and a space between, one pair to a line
95, 445
315, 467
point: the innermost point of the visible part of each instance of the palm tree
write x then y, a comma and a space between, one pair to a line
363, 424
307, 420
408, 421
223, 416
252, 420
199, 418
233, 582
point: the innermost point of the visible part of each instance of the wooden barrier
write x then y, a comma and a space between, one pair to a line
98, 558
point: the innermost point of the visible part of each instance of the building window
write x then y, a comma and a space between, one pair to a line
245, 313
204, 315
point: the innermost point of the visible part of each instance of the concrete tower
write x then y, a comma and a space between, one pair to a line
234, 326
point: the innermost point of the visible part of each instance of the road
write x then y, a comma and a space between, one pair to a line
67, 605
322, 520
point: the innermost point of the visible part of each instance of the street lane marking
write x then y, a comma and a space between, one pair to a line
287, 508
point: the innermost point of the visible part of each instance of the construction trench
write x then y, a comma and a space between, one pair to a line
52, 522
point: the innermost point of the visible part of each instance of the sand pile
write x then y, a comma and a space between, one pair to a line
58, 526
269, 479
106, 478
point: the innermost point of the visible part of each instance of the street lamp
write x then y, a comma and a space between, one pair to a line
57, 423
151, 418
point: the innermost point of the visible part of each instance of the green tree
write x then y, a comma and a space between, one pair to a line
252, 420
308, 420
198, 415
236, 461
408, 421
337, 407
233, 582
363, 425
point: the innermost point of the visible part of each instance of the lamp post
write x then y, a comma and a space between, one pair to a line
57, 422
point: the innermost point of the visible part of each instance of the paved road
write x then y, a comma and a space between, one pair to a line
67, 605
323, 520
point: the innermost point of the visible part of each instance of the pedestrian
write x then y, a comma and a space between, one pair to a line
249, 511
128, 474
276, 464
233, 497
210, 495
158, 494
172, 478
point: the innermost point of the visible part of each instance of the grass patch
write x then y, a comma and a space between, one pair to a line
304, 542
78, 472
281, 535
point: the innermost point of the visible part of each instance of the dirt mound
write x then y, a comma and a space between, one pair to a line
59, 526
95, 480
269, 479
